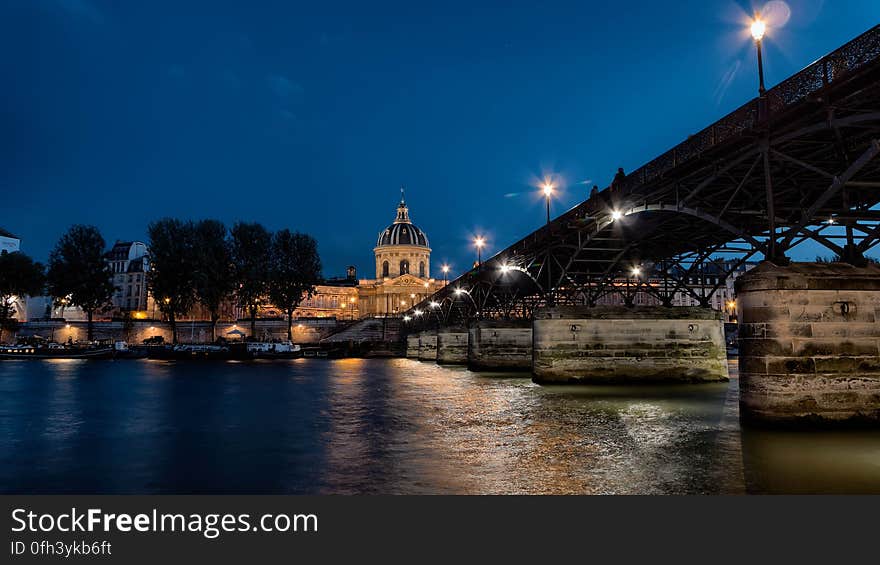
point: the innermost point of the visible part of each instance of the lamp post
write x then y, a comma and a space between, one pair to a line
479, 242
445, 269
758, 29
548, 192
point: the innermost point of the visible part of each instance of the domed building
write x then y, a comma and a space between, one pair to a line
403, 268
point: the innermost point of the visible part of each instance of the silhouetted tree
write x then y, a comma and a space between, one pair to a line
295, 270
78, 272
214, 276
251, 257
19, 276
172, 259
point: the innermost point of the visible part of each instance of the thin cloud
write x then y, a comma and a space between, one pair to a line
284, 87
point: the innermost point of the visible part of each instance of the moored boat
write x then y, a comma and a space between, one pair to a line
58, 352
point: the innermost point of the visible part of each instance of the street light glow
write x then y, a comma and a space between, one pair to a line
616, 215
434, 304
479, 241
445, 269
636, 271
758, 29
548, 188
417, 312
406, 318
505, 268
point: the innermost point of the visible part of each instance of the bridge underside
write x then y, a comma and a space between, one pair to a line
798, 164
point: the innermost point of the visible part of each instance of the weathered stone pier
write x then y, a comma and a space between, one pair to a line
809, 335
610, 344
504, 345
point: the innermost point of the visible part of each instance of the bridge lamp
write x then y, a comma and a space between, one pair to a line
434, 304
406, 318
548, 187
616, 215
417, 312
505, 269
636, 271
758, 29
412, 295
479, 242
831, 221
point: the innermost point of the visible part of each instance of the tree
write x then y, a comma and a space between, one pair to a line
251, 258
19, 276
213, 274
78, 273
294, 272
172, 261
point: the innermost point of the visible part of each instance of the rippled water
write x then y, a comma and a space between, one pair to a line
392, 426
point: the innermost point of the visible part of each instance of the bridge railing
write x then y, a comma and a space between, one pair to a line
833, 67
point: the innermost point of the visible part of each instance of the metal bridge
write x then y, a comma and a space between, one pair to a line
797, 163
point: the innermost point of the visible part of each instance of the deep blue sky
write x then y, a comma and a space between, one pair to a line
311, 115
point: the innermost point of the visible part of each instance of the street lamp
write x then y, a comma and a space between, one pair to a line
445, 269
758, 29
548, 192
479, 242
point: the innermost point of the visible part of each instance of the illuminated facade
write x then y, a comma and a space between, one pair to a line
403, 269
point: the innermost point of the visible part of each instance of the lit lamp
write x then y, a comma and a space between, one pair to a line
445, 269
548, 192
479, 243
758, 29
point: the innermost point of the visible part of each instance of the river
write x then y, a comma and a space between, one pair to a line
357, 426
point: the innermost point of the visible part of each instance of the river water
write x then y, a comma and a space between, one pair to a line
356, 426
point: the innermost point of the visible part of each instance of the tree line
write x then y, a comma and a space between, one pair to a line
191, 263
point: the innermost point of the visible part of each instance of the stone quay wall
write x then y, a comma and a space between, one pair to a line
610, 344
134, 332
809, 343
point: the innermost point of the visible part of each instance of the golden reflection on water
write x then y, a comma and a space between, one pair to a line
364, 426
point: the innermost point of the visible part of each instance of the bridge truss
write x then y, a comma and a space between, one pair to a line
796, 164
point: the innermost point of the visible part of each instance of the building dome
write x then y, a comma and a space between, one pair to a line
402, 231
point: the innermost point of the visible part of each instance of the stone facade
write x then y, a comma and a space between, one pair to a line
579, 344
809, 339
403, 269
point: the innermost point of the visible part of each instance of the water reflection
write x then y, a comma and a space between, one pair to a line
393, 426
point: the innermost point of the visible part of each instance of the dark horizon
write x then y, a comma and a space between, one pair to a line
311, 119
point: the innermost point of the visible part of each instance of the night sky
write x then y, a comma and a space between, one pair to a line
311, 115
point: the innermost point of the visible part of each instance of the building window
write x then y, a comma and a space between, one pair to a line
421, 269
385, 269
404, 267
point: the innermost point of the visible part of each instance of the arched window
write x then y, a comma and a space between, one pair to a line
404, 267
421, 269
385, 269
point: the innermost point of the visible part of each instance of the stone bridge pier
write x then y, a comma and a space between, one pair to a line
809, 336
610, 344
428, 345
412, 346
500, 345
452, 345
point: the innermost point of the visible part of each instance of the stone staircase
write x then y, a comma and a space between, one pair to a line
368, 330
